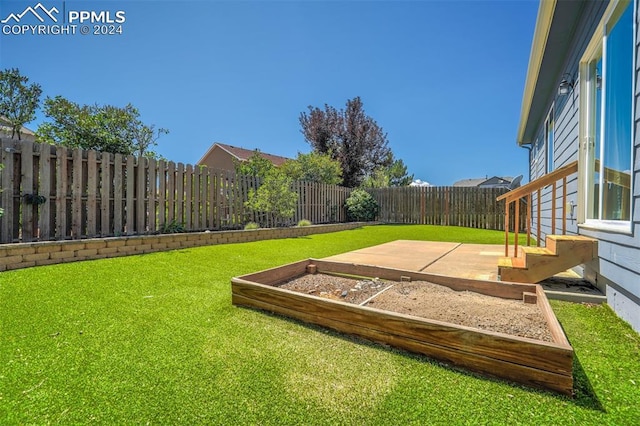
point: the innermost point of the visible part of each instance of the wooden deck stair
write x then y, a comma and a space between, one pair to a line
535, 264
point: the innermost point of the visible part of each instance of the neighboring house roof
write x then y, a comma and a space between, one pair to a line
469, 182
485, 182
555, 25
5, 131
497, 181
243, 154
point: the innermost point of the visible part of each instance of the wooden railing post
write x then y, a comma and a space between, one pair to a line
538, 231
529, 205
564, 206
506, 228
526, 191
553, 208
516, 229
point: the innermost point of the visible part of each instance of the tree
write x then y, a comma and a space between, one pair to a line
18, 100
146, 137
395, 174
398, 175
314, 167
349, 136
378, 179
274, 197
255, 166
98, 127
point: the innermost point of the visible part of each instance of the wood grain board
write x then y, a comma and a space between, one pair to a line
528, 361
89, 194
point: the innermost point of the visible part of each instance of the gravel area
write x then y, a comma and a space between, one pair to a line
431, 301
338, 288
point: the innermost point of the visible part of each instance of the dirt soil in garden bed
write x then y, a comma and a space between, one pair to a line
430, 301
337, 288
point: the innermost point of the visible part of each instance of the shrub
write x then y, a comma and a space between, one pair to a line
251, 225
274, 197
304, 222
173, 227
361, 206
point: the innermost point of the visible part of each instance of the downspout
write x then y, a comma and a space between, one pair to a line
528, 147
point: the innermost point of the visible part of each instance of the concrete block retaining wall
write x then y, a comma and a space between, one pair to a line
26, 255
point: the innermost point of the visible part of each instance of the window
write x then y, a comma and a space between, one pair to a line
537, 168
548, 136
608, 114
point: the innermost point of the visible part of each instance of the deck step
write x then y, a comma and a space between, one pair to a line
511, 262
537, 251
535, 264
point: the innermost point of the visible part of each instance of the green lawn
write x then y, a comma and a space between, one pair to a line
154, 339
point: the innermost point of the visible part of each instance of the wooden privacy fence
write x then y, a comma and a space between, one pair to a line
55, 193
443, 205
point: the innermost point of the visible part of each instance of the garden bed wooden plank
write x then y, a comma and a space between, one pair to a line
528, 361
507, 290
481, 364
542, 355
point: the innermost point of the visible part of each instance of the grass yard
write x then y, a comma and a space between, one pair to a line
154, 339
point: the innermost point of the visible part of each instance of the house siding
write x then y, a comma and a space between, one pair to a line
619, 254
566, 127
617, 269
218, 158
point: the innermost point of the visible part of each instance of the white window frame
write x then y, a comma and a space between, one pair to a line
595, 49
550, 142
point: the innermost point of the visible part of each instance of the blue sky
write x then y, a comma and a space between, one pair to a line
443, 78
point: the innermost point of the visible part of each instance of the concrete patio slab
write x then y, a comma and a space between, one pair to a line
474, 261
401, 254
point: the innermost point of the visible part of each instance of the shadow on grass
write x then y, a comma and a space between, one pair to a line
584, 394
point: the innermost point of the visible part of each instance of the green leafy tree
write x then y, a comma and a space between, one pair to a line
98, 127
349, 136
398, 175
256, 166
361, 206
274, 198
378, 179
18, 100
146, 137
395, 174
314, 167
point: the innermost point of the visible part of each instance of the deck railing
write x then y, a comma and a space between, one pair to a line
526, 192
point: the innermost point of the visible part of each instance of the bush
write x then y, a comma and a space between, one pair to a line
275, 198
173, 227
304, 222
251, 225
361, 206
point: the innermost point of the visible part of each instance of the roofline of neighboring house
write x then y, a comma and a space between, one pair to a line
555, 25
4, 124
480, 181
224, 148
209, 151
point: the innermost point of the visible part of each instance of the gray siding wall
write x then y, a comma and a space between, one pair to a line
566, 125
617, 270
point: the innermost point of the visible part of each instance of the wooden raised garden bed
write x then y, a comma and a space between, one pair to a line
530, 361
